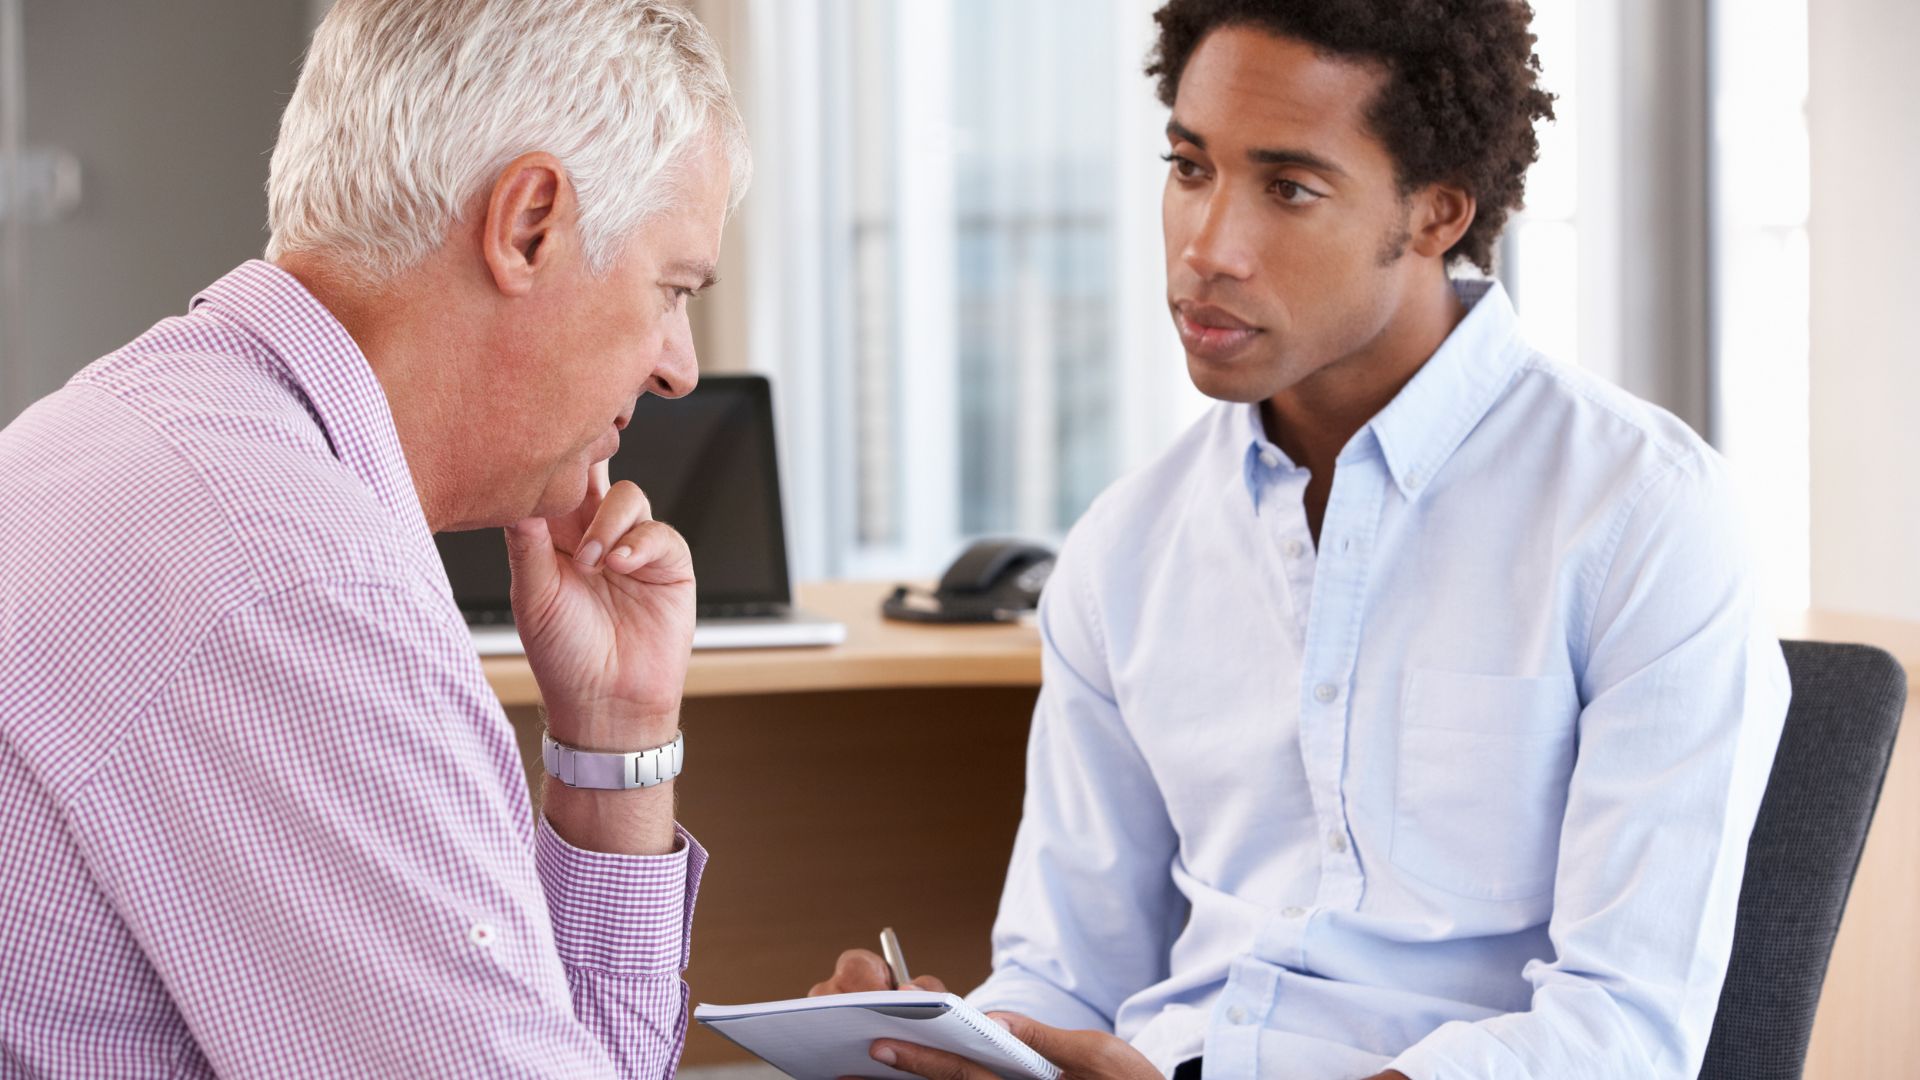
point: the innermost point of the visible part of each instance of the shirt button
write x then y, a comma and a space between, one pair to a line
1236, 1015
1295, 549
1293, 912
1337, 842
1270, 458
1325, 692
1415, 479
482, 934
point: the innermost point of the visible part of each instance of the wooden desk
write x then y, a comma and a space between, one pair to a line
877, 655
920, 734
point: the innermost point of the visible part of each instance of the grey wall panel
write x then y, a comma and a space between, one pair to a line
171, 109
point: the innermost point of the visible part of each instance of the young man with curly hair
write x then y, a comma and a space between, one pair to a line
1409, 716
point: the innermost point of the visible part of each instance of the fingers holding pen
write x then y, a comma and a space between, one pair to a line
862, 969
855, 971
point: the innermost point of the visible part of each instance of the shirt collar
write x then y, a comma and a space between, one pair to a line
1447, 398
326, 365
1432, 415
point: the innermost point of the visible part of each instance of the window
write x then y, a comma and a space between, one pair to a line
1761, 294
990, 349
1541, 248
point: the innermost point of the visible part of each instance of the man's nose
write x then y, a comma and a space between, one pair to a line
1218, 248
678, 371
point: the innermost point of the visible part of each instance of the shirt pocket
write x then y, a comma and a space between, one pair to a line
1484, 763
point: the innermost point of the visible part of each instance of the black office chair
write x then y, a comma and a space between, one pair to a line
1804, 851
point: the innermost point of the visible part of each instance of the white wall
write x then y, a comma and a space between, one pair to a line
1865, 236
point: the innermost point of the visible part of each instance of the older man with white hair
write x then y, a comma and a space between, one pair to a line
262, 815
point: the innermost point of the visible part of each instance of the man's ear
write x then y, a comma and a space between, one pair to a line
529, 221
1441, 216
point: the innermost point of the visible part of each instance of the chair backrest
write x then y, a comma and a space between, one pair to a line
1801, 860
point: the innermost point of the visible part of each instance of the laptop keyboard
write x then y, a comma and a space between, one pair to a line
752, 610
755, 610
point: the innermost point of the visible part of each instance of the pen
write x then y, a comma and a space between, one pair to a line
896, 960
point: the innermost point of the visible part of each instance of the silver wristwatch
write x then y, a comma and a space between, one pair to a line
613, 772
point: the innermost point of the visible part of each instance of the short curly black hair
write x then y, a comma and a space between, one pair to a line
1461, 97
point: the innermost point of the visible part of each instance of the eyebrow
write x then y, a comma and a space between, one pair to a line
702, 270
1303, 158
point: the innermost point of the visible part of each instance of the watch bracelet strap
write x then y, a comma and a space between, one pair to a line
613, 771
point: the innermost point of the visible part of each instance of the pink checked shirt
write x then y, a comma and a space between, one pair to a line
259, 813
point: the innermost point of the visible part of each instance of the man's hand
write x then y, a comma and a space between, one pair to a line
603, 600
1081, 1055
860, 969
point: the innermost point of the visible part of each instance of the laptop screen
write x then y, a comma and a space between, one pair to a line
707, 464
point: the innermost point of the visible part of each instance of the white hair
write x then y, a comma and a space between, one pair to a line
408, 109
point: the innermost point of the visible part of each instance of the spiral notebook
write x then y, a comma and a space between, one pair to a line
824, 1038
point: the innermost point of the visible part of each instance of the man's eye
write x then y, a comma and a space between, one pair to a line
1183, 167
1295, 194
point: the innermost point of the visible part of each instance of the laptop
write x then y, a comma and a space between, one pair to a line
708, 465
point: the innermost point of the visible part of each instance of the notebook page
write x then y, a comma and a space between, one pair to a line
812, 1040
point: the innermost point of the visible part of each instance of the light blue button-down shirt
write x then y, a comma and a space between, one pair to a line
1465, 791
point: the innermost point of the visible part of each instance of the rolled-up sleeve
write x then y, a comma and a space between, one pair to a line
1685, 691
320, 835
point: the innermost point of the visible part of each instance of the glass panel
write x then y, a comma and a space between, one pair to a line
1761, 289
1539, 255
1023, 253
1548, 256
1035, 197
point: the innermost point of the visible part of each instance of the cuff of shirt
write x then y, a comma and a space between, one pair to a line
628, 915
1018, 992
1458, 1050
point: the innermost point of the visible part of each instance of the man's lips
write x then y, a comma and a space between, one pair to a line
1212, 332
609, 443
